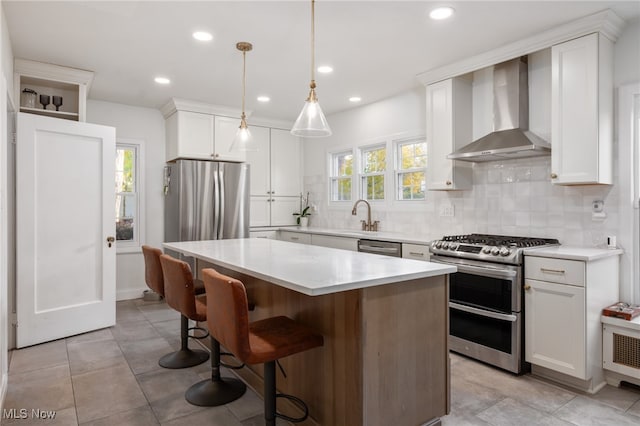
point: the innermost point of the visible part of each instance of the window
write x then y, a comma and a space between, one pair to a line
341, 176
128, 204
374, 165
411, 165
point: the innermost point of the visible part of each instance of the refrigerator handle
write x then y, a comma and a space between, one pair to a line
222, 206
216, 203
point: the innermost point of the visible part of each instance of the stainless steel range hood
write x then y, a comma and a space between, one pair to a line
511, 137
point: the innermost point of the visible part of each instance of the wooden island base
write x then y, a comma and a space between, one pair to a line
385, 357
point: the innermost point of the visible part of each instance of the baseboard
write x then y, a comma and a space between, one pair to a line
128, 294
589, 386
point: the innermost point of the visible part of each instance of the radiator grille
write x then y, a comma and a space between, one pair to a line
626, 350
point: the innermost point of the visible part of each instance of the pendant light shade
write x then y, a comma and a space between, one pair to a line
311, 122
243, 141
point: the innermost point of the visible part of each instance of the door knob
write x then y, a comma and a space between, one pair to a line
527, 287
110, 240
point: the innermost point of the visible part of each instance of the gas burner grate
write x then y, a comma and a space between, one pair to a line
500, 240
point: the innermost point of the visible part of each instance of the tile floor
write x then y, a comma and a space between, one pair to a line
111, 377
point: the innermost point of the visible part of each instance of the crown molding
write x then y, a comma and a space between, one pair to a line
176, 104
605, 22
52, 72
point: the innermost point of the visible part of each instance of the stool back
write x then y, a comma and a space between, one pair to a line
178, 286
227, 312
153, 270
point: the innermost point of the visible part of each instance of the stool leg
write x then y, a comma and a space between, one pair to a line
218, 390
185, 357
270, 393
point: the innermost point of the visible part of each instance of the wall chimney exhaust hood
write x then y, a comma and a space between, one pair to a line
511, 137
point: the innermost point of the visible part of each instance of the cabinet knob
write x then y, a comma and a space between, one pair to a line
448, 182
215, 155
110, 240
527, 287
554, 176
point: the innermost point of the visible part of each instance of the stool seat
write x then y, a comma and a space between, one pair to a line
274, 338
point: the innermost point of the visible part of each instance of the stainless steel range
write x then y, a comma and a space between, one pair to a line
486, 311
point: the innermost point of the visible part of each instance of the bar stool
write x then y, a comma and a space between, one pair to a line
180, 296
264, 341
154, 278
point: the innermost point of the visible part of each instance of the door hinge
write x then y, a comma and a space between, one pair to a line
14, 319
14, 138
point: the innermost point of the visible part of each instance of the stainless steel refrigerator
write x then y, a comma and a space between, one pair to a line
205, 200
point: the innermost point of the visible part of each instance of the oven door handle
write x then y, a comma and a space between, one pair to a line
479, 270
494, 315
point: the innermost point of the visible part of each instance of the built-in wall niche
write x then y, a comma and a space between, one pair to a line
68, 92
70, 84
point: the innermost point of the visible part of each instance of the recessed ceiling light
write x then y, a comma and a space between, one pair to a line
162, 80
202, 36
263, 99
441, 13
355, 99
325, 69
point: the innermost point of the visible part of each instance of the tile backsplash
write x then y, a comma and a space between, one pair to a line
514, 197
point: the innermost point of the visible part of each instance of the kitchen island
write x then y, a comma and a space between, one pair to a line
384, 320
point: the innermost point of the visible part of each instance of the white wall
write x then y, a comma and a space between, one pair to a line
513, 197
148, 125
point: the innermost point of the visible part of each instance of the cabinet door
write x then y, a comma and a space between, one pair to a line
555, 327
194, 135
282, 209
577, 132
225, 131
286, 169
260, 213
294, 237
448, 126
260, 162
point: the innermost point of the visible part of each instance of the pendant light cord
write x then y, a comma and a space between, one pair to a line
244, 78
313, 44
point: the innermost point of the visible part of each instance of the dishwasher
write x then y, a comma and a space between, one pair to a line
380, 247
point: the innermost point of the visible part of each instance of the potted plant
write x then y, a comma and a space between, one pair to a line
302, 216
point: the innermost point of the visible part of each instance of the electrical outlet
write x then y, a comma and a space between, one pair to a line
447, 210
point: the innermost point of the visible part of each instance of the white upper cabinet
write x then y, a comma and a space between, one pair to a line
200, 131
449, 127
582, 111
276, 177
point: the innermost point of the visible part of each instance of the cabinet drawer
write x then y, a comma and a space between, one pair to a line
415, 251
555, 270
295, 237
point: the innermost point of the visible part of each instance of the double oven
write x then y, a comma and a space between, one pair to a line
486, 307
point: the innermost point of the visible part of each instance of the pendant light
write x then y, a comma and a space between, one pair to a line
311, 122
243, 140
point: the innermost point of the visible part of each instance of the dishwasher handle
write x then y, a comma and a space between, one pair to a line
380, 247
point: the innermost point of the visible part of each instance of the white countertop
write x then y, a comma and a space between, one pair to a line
353, 233
311, 270
587, 254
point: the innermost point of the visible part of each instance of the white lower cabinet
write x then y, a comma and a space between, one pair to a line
563, 301
415, 251
343, 243
270, 235
555, 327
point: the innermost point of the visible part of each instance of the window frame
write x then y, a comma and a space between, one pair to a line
362, 187
135, 245
398, 170
334, 177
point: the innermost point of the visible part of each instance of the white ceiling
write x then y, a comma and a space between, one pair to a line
375, 47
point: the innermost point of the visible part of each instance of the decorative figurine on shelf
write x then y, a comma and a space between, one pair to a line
302, 217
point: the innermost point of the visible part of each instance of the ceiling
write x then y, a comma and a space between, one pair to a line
375, 47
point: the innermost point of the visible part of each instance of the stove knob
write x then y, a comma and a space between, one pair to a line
453, 246
445, 245
438, 244
505, 251
495, 251
486, 250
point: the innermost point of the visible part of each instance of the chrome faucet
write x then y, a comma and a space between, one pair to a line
366, 226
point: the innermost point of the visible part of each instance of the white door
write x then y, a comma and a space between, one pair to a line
65, 206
